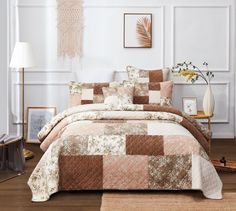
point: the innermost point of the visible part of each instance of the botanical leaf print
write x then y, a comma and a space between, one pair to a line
143, 29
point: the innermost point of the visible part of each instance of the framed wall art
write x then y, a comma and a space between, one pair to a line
37, 117
137, 30
190, 105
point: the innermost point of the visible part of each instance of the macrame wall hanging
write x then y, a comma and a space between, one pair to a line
69, 28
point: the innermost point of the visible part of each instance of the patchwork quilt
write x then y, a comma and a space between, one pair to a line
127, 147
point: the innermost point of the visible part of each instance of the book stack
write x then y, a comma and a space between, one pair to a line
8, 139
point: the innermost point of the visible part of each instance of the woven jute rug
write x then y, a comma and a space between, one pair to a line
166, 201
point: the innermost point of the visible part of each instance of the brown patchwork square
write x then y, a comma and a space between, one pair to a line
125, 172
155, 76
97, 89
86, 102
141, 100
170, 172
154, 86
80, 172
144, 145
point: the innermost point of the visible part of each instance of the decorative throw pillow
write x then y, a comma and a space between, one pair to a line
86, 93
153, 92
118, 95
145, 76
149, 93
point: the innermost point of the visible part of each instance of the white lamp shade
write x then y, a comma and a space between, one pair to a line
120, 75
22, 56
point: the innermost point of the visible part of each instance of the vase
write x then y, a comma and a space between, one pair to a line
208, 101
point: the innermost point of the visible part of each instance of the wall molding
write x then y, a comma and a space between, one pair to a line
43, 70
89, 5
42, 83
173, 32
219, 135
201, 83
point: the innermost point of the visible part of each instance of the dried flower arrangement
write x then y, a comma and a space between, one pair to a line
192, 72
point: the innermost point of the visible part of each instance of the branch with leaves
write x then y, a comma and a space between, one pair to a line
192, 72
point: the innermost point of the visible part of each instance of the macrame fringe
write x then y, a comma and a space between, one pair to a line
69, 28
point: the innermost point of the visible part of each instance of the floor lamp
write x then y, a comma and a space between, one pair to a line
22, 57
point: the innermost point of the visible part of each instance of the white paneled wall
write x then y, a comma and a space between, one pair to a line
196, 30
3, 69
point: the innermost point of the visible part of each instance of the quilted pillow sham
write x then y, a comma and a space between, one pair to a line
86, 93
153, 93
118, 95
145, 76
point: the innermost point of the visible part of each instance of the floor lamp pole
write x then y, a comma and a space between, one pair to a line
27, 153
23, 103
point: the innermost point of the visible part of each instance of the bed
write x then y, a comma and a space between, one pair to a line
124, 146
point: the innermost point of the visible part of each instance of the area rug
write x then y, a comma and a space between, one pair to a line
170, 200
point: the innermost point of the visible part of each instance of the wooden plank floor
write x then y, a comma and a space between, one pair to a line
225, 148
15, 194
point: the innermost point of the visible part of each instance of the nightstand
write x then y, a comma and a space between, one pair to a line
202, 115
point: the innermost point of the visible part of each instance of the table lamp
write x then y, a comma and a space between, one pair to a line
22, 57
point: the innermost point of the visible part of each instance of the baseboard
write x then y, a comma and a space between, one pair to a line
223, 136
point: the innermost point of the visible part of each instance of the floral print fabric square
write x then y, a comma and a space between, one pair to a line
145, 76
118, 95
86, 93
153, 93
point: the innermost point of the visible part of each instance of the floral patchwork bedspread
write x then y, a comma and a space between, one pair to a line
130, 147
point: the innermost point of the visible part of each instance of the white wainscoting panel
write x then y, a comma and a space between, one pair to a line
221, 95
201, 33
4, 98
